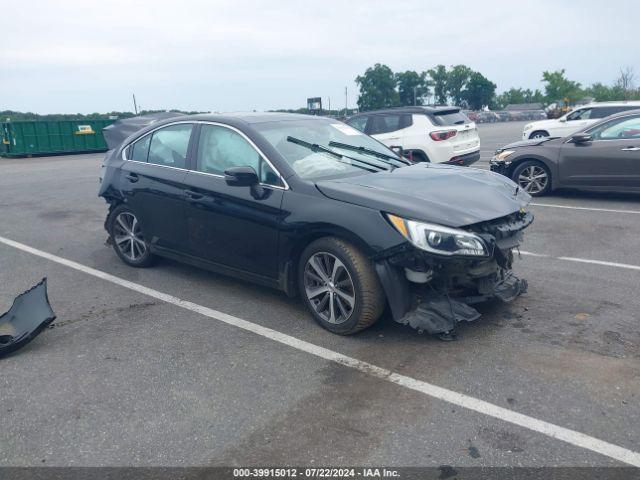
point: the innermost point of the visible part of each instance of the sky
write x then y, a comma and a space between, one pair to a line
64, 56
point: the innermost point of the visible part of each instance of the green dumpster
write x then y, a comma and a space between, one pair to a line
19, 139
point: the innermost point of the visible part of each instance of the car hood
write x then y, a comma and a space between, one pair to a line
527, 143
538, 124
446, 195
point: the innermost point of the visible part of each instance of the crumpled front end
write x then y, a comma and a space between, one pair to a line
432, 293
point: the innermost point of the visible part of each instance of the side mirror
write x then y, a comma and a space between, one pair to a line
562, 120
581, 138
241, 177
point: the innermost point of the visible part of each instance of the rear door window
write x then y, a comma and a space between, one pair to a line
389, 122
450, 117
169, 145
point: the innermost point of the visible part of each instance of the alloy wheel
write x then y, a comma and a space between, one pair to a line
533, 179
127, 236
329, 287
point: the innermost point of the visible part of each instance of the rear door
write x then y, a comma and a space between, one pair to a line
391, 128
153, 183
611, 159
230, 225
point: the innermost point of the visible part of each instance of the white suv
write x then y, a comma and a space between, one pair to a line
429, 134
577, 119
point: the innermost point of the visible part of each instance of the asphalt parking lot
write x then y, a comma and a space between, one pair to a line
128, 378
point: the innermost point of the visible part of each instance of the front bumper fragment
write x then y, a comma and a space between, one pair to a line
29, 315
454, 284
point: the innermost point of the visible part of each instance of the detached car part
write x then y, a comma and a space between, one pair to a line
29, 314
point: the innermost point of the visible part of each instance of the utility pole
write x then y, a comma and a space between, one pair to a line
329, 101
414, 96
135, 105
346, 111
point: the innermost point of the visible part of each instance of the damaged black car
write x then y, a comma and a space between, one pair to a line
318, 209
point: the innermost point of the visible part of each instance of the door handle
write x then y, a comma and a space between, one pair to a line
630, 149
132, 177
191, 195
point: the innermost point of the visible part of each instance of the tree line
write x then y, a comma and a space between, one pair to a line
459, 85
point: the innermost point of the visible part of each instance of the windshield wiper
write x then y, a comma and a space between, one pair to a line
369, 151
314, 147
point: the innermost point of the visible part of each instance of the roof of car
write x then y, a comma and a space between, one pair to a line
619, 103
252, 117
416, 109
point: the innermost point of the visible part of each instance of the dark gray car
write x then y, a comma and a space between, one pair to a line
602, 157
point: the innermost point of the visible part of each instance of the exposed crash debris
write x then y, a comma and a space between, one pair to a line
434, 293
29, 314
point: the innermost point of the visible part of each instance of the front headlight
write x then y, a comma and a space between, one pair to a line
528, 126
438, 239
504, 154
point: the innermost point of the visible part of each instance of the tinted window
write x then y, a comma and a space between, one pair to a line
358, 122
140, 149
449, 117
220, 148
389, 122
618, 129
602, 112
169, 145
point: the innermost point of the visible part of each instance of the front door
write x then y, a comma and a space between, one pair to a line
231, 225
610, 159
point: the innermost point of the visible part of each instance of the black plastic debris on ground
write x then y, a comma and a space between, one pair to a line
28, 316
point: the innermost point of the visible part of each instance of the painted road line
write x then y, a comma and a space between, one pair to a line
549, 429
584, 260
569, 207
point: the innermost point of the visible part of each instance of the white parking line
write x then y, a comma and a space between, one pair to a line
554, 431
610, 210
584, 260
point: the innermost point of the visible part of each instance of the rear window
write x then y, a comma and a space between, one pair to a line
449, 117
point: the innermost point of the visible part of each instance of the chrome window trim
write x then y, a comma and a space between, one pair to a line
605, 139
206, 122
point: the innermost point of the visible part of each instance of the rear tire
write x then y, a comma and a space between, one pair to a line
538, 134
533, 177
125, 232
339, 286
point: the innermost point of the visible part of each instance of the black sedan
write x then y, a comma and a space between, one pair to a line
602, 157
314, 207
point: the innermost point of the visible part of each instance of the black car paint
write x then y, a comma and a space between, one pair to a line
263, 233
586, 166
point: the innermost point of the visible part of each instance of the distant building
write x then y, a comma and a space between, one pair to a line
520, 107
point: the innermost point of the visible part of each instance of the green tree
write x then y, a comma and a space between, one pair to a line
439, 76
479, 91
558, 87
457, 79
377, 88
412, 87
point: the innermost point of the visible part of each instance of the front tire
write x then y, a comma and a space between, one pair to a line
533, 177
339, 286
538, 134
126, 236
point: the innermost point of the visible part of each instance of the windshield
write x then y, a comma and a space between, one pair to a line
312, 165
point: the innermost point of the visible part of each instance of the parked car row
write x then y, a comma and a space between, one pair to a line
506, 116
